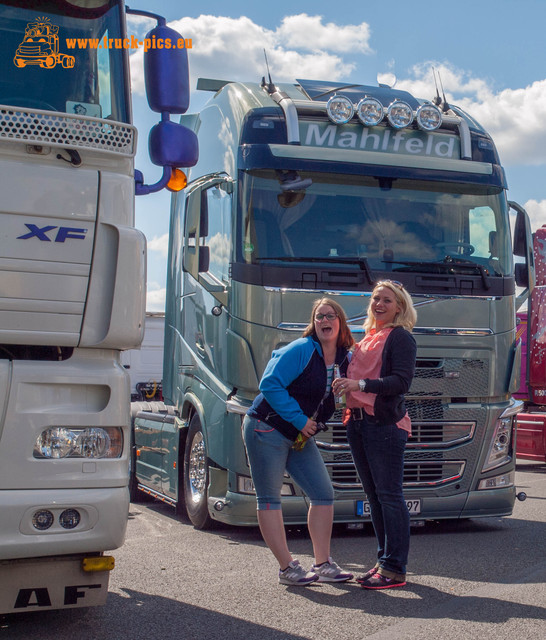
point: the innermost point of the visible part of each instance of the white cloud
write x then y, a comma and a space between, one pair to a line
513, 117
159, 244
233, 48
308, 32
537, 213
155, 297
139, 25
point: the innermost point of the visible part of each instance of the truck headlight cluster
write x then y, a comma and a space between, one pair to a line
500, 451
79, 442
371, 112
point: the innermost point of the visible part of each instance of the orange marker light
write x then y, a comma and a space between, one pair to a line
178, 181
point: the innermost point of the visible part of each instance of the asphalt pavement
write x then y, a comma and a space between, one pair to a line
475, 578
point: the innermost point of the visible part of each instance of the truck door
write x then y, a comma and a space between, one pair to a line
207, 255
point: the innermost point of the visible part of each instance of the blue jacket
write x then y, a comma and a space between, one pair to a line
293, 385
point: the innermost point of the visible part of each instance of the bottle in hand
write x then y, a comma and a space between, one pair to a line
339, 399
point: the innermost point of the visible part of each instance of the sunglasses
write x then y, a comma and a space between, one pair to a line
397, 284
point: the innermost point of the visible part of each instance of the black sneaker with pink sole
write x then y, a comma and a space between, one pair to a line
379, 581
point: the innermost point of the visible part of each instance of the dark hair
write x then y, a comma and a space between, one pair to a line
345, 337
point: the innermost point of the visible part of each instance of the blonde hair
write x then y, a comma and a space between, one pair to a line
406, 317
345, 337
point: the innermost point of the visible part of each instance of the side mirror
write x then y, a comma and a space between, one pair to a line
524, 273
166, 72
521, 273
168, 91
204, 259
173, 145
520, 234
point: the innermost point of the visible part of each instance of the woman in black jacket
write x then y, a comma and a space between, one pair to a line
378, 426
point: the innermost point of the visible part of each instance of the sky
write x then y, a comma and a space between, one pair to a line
491, 56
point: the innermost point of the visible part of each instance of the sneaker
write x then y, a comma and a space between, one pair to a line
379, 581
367, 575
296, 575
331, 572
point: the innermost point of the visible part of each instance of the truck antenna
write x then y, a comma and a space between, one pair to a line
437, 100
270, 87
445, 105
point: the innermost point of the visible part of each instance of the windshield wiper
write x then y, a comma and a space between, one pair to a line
360, 262
448, 262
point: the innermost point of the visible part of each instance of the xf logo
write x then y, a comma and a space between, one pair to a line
63, 233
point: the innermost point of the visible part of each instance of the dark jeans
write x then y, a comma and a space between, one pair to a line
378, 452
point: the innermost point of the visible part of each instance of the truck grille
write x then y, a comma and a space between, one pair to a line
444, 430
63, 130
451, 377
425, 464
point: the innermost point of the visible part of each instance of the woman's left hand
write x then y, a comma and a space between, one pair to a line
344, 385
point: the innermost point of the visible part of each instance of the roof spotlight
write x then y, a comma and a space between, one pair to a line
399, 114
428, 117
370, 111
340, 109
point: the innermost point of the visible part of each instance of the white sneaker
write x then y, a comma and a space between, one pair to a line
331, 572
296, 575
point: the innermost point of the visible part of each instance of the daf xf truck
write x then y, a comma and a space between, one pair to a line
72, 288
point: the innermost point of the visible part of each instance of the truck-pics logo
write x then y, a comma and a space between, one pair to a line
40, 47
63, 233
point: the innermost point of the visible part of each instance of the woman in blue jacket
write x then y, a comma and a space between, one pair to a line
296, 396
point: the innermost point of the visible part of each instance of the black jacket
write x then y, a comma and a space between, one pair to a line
294, 384
397, 371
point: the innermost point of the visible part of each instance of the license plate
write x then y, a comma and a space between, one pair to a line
363, 507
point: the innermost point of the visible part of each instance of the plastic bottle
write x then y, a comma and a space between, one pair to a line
340, 399
299, 442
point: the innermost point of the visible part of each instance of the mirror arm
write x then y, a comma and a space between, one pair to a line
142, 189
161, 21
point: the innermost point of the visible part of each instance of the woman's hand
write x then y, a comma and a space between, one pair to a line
344, 385
310, 428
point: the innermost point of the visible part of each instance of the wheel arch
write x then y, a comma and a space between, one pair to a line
192, 405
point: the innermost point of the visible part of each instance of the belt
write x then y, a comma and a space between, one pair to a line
358, 413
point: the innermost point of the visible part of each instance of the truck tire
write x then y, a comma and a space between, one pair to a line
196, 476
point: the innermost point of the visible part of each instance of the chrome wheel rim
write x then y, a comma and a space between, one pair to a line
197, 468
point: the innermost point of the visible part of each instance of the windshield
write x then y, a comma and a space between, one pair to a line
55, 57
398, 225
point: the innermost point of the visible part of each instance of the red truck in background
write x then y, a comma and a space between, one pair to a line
531, 423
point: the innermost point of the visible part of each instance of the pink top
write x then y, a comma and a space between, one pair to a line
366, 363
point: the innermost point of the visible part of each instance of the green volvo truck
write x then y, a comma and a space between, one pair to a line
317, 188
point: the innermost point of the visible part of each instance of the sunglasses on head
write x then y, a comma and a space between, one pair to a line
395, 283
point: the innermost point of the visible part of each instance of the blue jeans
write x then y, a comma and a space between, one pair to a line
378, 453
271, 454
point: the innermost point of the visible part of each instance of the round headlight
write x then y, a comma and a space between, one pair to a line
57, 442
93, 442
42, 520
340, 109
69, 519
399, 114
370, 111
428, 117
